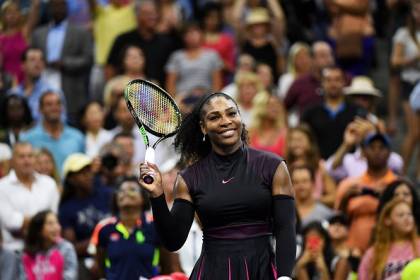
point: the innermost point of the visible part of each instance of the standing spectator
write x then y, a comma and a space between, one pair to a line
16, 118
193, 66
406, 58
302, 148
318, 260
170, 17
268, 128
358, 197
15, 35
46, 254
126, 141
34, 83
308, 208
68, 51
299, 63
92, 122
216, 38
10, 266
61, 140
113, 162
156, 47
84, 203
23, 193
329, 119
305, 90
109, 21
396, 243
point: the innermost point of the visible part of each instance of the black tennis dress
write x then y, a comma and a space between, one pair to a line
232, 196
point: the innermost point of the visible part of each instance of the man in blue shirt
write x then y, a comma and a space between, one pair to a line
52, 133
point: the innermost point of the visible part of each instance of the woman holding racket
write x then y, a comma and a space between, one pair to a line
242, 197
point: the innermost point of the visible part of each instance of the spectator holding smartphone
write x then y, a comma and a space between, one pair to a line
318, 260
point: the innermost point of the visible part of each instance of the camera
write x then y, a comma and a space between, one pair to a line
109, 161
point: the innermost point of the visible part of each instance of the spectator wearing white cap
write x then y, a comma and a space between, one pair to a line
84, 202
23, 193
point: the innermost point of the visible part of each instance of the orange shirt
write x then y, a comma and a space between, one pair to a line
362, 209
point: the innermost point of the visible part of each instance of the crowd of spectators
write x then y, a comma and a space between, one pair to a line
303, 75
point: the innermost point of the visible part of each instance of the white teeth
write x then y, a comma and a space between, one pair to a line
228, 133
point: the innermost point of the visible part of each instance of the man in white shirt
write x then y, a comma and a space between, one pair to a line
23, 193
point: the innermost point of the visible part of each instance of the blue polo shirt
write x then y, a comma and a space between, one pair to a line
130, 255
70, 141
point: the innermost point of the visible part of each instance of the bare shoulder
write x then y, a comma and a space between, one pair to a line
282, 185
181, 189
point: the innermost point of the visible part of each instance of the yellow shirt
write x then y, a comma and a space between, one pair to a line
109, 22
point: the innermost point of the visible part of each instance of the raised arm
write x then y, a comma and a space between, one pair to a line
284, 217
173, 226
32, 19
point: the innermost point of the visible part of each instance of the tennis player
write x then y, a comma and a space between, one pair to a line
243, 198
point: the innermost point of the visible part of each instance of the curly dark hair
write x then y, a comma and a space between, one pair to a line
189, 140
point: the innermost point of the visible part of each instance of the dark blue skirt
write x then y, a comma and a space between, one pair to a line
238, 259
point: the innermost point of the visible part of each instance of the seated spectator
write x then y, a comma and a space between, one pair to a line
92, 122
114, 90
193, 65
34, 83
46, 165
358, 197
83, 204
126, 142
10, 266
5, 157
15, 35
348, 160
134, 253
69, 54
16, 118
299, 63
46, 254
302, 148
170, 17
249, 86
338, 230
402, 189
23, 193
52, 133
156, 47
305, 90
318, 260
308, 209
329, 119
266, 76
217, 39
245, 64
395, 244
268, 126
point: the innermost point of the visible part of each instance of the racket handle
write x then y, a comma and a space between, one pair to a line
150, 158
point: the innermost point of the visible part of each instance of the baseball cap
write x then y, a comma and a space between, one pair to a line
75, 162
377, 136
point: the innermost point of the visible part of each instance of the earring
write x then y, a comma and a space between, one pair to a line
204, 138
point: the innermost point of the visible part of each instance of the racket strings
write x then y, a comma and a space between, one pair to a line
154, 109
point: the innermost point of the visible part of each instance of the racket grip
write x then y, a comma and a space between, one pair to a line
150, 158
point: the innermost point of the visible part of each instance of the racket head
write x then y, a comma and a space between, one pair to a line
152, 108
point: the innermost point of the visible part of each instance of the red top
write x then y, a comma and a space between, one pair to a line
277, 148
11, 49
225, 47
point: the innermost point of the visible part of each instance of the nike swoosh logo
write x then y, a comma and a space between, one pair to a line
227, 181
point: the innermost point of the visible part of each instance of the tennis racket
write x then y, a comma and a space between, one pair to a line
155, 112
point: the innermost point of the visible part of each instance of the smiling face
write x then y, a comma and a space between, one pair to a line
222, 124
51, 229
299, 143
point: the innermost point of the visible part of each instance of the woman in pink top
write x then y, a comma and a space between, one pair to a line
395, 244
15, 36
46, 255
302, 148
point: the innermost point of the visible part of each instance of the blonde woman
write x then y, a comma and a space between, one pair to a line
268, 124
248, 86
299, 63
396, 243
